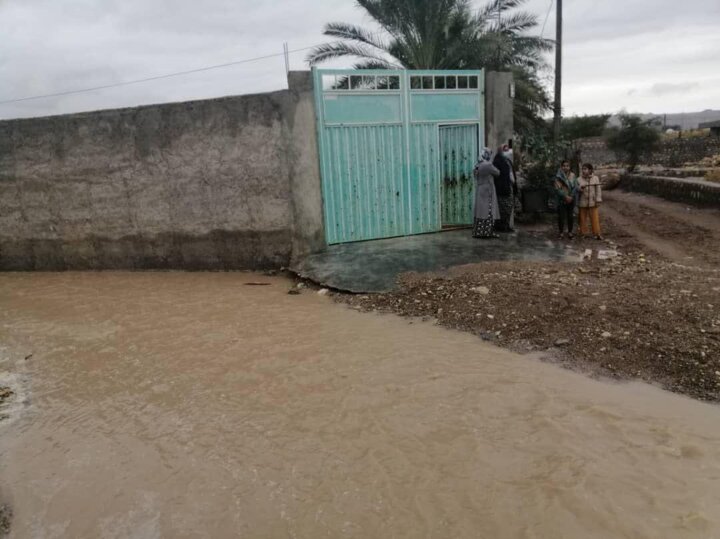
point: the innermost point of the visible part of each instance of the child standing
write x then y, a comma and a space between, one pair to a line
589, 201
566, 189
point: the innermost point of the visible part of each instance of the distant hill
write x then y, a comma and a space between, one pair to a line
686, 120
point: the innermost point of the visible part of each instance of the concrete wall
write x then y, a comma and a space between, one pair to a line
498, 109
694, 191
213, 184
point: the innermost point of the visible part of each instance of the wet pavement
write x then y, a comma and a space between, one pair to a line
374, 266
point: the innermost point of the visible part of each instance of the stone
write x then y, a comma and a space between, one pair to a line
294, 292
606, 335
606, 254
610, 180
482, 290
562, 342
603, 307
323, 292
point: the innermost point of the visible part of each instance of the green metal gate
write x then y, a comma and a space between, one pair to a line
382, 150
459, 153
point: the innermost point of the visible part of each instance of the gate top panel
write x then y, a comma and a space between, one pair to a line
381, 97
446, 96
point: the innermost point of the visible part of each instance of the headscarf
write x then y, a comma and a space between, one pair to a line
570, 186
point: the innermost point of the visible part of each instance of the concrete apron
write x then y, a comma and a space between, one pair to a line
374, 266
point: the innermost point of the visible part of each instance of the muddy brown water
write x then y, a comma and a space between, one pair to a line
188, 405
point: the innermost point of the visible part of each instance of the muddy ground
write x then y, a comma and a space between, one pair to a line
651, 313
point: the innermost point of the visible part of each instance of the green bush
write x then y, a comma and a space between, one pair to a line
541, 160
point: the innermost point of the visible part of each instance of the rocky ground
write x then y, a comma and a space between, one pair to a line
5, 394
5, 520
650, 313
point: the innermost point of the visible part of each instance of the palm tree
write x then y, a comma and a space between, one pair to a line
447, 34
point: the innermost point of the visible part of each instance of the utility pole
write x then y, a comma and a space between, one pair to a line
286, 54
499, 34
558, 71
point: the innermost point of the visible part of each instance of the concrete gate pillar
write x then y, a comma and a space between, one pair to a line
305, 186
499, 91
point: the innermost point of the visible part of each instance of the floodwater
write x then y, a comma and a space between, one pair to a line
189, 405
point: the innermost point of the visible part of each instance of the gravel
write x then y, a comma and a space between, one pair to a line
632, 316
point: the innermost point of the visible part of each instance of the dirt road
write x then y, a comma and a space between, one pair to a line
651, 313
678, 232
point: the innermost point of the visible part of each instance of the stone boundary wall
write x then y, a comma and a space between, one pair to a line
672, 153
229, 183
594, 150
693, 191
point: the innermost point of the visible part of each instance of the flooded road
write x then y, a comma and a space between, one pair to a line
189, 405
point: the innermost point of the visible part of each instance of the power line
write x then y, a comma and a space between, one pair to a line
158, 77
542, 32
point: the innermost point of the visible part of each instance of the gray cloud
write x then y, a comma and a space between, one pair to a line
50, 46
669, 88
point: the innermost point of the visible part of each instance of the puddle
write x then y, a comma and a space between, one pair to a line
374, 266
189, 405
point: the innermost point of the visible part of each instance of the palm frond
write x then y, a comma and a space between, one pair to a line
376, 64
354, 33
516, 23
328, 51
537, 44
491, 9
386, 14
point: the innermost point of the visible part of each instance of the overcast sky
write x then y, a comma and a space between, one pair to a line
640, 55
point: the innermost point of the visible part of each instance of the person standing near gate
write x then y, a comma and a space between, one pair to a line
486, 202
566, 190
505, 188
589, 201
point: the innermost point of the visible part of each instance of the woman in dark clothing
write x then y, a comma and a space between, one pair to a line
505, 188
